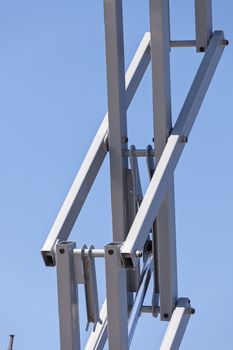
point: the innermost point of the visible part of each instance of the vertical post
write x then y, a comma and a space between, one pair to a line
117, 114
203, 19
118, 140
165, 233
67, 297
116, 299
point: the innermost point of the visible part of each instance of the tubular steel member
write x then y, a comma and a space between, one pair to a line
143, 225
204, 30
177, 325
164, 229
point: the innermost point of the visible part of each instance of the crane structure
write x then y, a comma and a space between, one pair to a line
143, 243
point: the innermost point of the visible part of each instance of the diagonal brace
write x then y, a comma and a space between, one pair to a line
82, 184
172, 152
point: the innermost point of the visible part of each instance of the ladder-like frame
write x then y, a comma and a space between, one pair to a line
144, 234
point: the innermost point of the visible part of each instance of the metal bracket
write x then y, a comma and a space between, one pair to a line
137, 188
90, 286
150, 162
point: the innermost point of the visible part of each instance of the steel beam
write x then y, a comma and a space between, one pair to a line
117, 307
203, 19
83, 182
118, 139
163, 174
177, 325
164, 232
67, 297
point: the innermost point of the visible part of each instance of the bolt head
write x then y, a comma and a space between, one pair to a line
138, 253
124, 139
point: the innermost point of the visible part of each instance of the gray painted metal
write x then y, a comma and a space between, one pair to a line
155, 213
97, 338
118, 140
90, 286
67, 297
164, 232
137, 188
86, 175
176, 326
114, 43
141, 293
203, 17
95, 253
164, 172
117, 307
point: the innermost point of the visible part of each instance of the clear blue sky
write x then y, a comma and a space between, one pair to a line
53, 98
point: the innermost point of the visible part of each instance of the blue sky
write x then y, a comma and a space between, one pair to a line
53, 98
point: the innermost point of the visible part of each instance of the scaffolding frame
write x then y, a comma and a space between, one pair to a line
144, 234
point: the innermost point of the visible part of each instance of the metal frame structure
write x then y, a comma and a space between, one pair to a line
144, 234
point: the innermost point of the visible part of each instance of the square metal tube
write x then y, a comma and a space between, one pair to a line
86, 175
177, 326
164, 230
97, 338
203, 19
163, 174
117, 307
117, 140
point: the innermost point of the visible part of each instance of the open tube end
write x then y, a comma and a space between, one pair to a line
128, 262
49, 260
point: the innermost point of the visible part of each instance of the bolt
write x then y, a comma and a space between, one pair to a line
138, 253
225, 42
192, 311
110, 252
153, 139
183, 139
124, 139
61, 251
202, 49
165, 315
